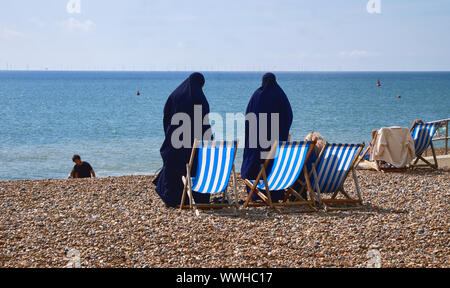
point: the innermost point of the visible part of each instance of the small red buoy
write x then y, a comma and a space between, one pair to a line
379, 83
399, 96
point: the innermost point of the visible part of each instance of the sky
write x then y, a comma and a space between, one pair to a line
282, 35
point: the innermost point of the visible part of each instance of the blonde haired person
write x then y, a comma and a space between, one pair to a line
320, 143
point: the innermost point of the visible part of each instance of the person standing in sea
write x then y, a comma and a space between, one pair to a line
186, 99
270, 100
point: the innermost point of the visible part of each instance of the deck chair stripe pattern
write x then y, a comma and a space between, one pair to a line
423, 135
288, 163
215, 162
334, 166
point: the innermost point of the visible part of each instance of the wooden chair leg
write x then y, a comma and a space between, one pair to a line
316, 184
250, 194
269, 196
335, 194
295, 193
303, 186
427, 162
192, 203
434, 156
235, 188
226, 197
183, 196
355, 179
415, 162
253, 188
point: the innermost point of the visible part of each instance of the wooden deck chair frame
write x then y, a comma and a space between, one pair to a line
340, 190
419, 157
267, 199
188, 185
376, 165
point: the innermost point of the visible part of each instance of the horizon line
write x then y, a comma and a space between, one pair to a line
200, 70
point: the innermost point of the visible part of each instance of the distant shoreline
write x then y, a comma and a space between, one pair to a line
439, 151
239, 71
63, 179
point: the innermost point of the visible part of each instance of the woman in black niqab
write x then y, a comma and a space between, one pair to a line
169, 185
269, 99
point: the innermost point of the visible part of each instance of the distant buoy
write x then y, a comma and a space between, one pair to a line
379, 83
398, 96
138, 93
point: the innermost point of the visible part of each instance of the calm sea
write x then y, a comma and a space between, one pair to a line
46, 117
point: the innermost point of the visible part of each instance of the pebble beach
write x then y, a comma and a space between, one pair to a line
121, 222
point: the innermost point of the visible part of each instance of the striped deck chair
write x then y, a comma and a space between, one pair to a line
214, 168
423, 135
331, 169
288, 163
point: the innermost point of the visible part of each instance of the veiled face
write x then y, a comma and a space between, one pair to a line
197, 78
269, 79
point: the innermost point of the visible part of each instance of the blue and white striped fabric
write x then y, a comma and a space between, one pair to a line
334, 166
215, 163
423, 135
287, 165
